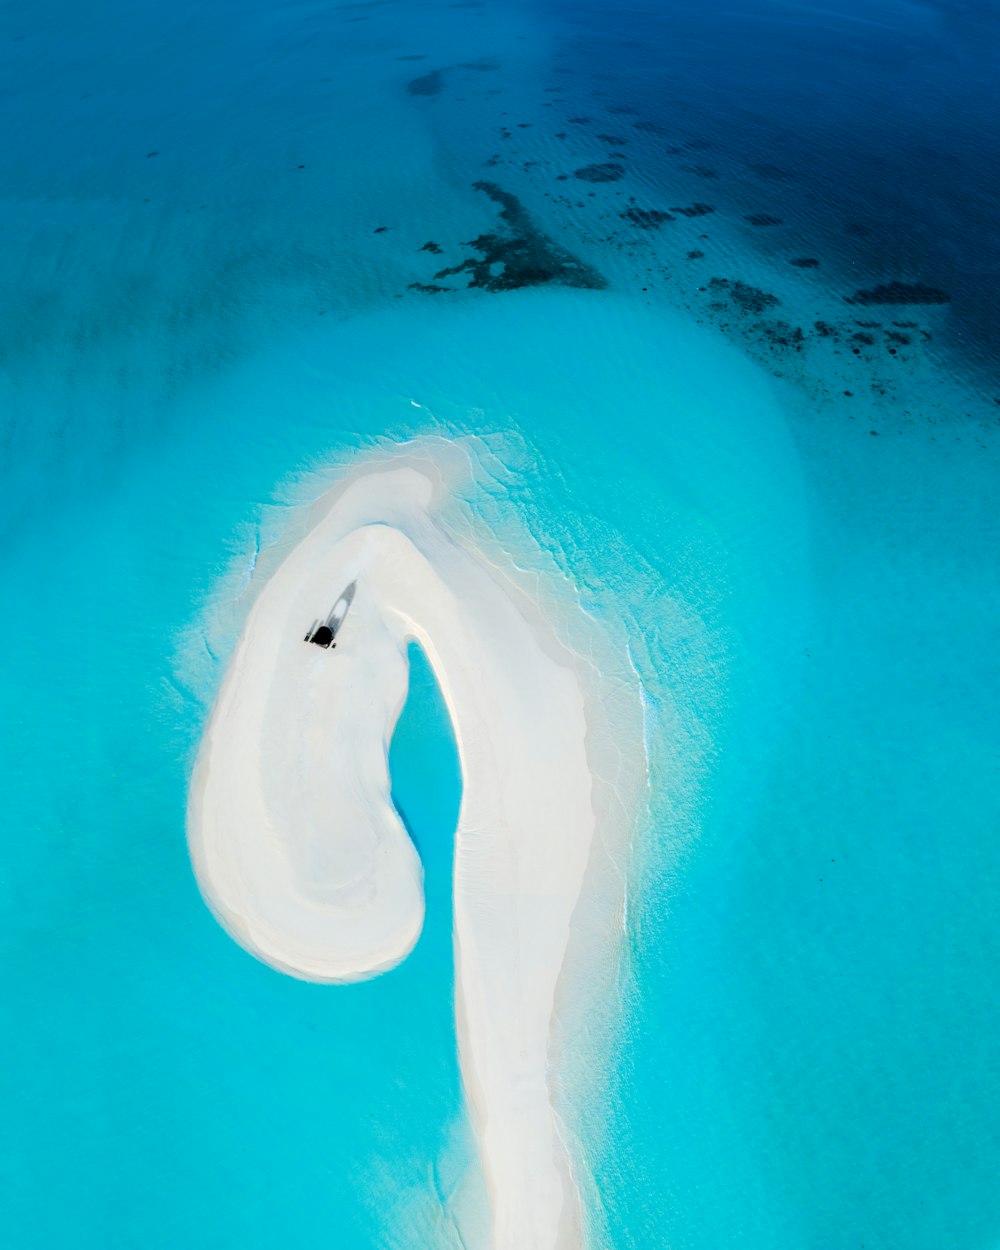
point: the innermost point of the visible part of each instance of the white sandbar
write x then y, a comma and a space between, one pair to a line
301, 855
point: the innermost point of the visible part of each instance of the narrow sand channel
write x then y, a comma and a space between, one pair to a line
304, 860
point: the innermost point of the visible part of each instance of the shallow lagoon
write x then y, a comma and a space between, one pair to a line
809, 1004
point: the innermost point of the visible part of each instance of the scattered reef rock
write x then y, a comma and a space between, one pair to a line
695, 210
779, 334
805, 262
518, 255
610, 171
426, 84
747, 298
763, 219
647, 218
899, 293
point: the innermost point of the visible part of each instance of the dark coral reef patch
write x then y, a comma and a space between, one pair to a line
647, 218
747, 298
427, 84
900, 293
610, 171
518, 255
695, 210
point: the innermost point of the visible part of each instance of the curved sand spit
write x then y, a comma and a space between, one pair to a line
303, 858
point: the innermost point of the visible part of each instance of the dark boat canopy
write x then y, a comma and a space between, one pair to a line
322, 634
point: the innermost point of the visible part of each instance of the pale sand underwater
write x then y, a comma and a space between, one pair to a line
303, 858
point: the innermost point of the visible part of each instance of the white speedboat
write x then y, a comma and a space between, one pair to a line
323, 633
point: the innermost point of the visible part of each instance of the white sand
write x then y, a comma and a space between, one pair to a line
302, 856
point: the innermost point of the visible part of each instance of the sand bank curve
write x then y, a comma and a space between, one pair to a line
303, 858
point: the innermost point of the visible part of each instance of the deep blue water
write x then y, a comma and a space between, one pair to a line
212, 220
870, 129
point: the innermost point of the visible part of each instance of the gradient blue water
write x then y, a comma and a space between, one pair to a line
810, 1054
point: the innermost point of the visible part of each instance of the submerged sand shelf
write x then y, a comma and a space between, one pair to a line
303, 858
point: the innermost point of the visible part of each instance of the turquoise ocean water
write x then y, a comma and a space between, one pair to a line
214, 267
